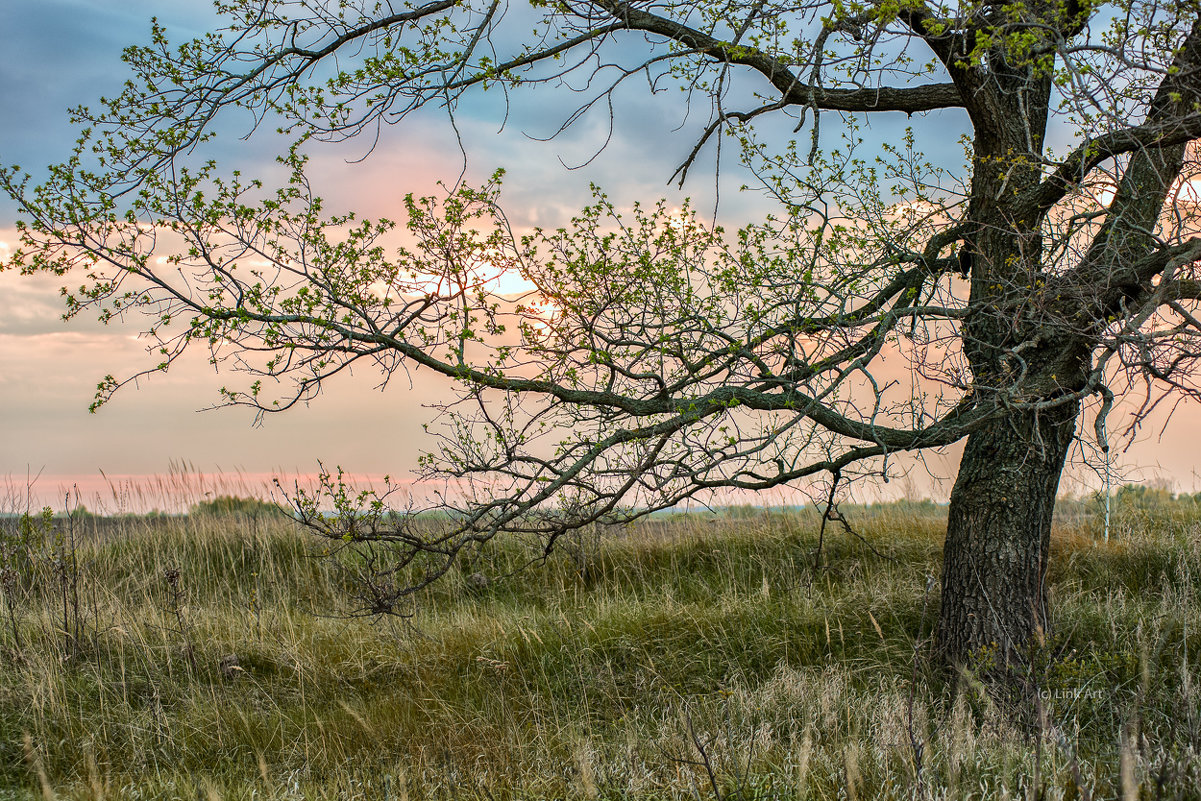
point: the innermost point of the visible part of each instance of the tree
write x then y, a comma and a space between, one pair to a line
657, 359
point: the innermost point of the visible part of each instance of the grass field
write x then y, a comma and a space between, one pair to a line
699, 656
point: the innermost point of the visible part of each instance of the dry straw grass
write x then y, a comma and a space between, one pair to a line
203, 656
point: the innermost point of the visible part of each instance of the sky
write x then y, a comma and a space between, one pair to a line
59, 53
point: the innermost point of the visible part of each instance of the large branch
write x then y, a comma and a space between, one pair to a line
792, 89
1127, 237
684, 410
1152, 135
1184, 289
194, 84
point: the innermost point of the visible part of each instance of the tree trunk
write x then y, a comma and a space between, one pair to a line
994, 598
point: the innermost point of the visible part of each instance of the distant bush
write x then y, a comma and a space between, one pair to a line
223, 505
1144, 497
743, 511
79, 512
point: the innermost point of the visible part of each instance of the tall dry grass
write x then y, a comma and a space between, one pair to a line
685, 657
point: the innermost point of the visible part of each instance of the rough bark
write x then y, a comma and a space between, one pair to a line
994, 598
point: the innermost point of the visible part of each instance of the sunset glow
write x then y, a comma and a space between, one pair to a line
50, 369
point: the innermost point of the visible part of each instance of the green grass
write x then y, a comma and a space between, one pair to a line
685, 640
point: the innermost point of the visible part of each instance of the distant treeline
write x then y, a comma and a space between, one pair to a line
1138, 496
